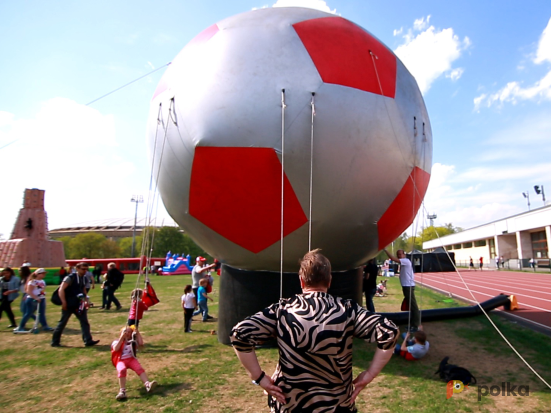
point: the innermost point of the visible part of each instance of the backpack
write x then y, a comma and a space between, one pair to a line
452, 372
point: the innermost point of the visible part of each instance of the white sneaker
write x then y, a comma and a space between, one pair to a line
150, 386
121, 395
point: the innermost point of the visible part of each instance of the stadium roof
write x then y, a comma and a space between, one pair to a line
113, 227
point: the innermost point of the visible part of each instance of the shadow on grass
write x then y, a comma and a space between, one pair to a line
164, 390
152, 348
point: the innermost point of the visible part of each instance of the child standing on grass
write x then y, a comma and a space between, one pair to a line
136, 308
202, 298
123, 357
189, 302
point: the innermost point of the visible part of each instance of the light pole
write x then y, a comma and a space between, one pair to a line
138, 199
527, 196
431, 218
540, 191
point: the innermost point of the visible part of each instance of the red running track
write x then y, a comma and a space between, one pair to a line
533, 290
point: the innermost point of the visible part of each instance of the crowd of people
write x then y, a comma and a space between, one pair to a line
314, 310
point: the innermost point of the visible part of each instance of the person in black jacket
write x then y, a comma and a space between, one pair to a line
370, 283
113, 281
72, 294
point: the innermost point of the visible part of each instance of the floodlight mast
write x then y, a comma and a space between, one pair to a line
138, 199
431, 218
527, 196
540, 191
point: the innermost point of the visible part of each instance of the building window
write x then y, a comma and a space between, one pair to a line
539, 244
467, 245
481, 243
457, 247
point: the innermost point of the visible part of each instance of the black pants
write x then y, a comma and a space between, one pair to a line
415, 315
84, 325
109, 297
6, 306
188, 315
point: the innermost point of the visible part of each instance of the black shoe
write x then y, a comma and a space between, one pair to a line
11, 326
119, 307
210, 317
55, 344
91, 343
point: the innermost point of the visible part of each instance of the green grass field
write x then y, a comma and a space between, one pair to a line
197, 374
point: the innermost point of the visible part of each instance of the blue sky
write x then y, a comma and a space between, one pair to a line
484, 69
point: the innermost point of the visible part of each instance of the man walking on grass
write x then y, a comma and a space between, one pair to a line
72, 293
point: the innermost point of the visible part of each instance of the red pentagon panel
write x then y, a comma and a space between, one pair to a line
340, 51
236, 192
401, 213
201, 38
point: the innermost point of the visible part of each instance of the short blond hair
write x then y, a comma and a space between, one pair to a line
111, 265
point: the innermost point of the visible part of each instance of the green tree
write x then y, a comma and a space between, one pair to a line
88, 245
430, 233
125, 245
168, 239
67, 245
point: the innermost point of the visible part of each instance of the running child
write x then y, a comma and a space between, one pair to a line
123, 357
189, 302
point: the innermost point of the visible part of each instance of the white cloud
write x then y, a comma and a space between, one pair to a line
544, 46
398, 32
430, 53
514, 91
69, 150
310, 4
421, 24
455, 74
464, 200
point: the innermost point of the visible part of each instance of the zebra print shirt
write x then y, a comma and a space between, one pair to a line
314, 333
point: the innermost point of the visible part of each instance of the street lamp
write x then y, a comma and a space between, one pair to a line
138, 199
527, 196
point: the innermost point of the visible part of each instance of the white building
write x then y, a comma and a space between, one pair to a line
517, 239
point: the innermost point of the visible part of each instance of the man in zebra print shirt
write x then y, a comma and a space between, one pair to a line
314, 333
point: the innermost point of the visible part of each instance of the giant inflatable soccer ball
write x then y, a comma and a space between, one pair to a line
292, 107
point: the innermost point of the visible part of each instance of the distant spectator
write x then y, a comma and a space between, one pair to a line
24, 274
197, 273
497, 262
202, 298
189, 302
96, 272
113, 280
481, 263
370, 284
9, 283
35, 299
471, 264
62, 274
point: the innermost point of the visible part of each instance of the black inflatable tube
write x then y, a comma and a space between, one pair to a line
449, 313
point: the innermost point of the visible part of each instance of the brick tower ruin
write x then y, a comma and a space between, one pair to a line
29, 238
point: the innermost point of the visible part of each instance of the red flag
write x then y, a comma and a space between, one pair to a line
149, 297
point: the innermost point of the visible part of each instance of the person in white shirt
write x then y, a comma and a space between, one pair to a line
407, 279
189, 302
